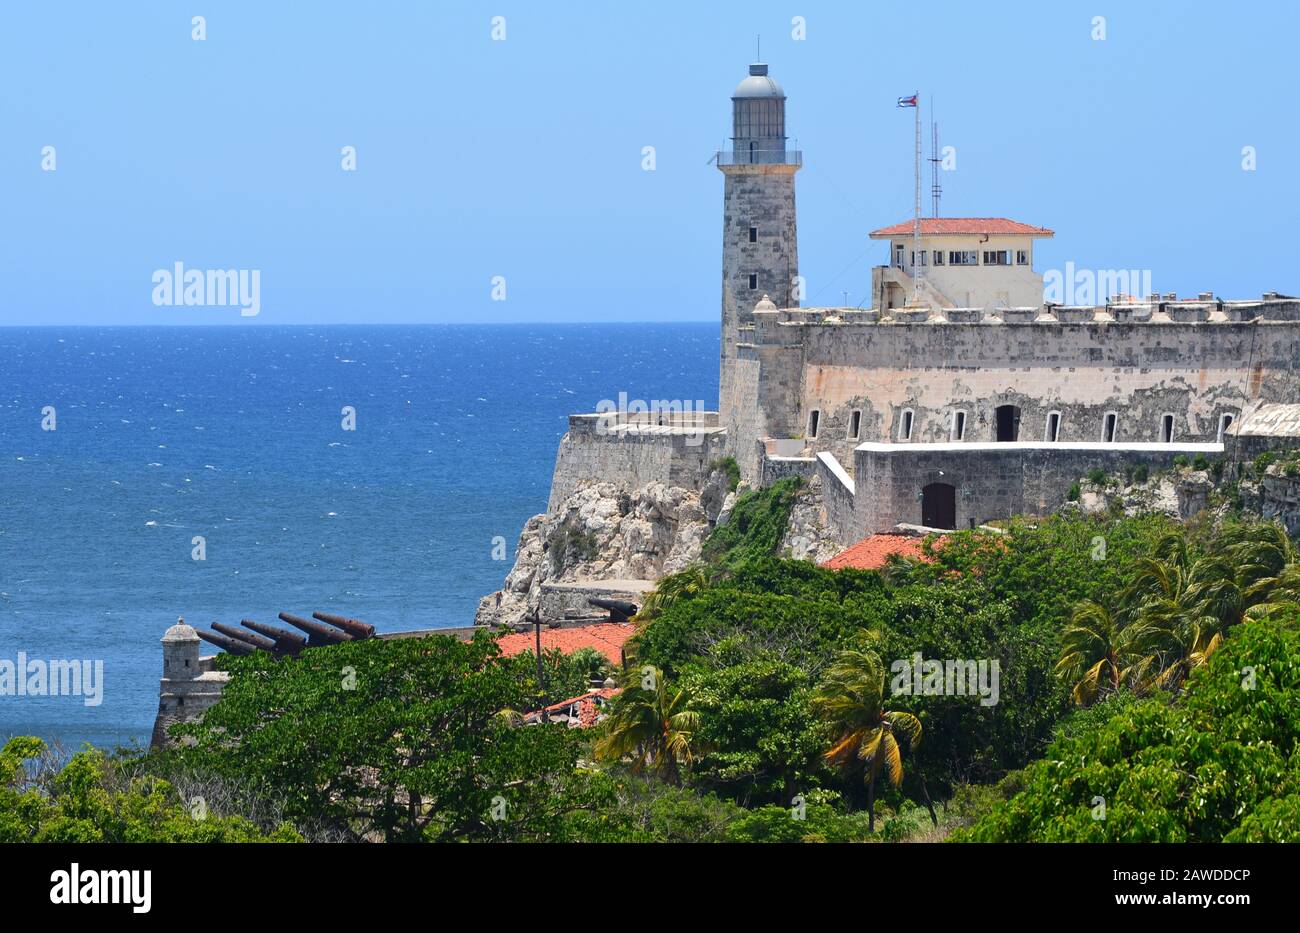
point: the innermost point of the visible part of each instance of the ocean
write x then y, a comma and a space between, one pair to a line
237, 435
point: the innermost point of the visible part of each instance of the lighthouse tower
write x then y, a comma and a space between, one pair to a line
760, 254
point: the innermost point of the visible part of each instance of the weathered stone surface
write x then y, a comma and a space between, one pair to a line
808, 536
603, 532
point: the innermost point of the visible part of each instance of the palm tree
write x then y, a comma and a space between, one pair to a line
657, 727
850, 698
1097, 651
686, 582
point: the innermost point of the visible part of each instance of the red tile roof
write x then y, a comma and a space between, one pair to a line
589, 705
605, 637
967, 226
874, 551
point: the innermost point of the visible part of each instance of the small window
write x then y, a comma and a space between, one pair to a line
814, 421
1022, 257
753, 234
753, 280
958, 425
898, 256
923, 254
1109, 427
1166, 429
905, 425
997, 257
1053, 433
938, 257
960, 257
1225, 422
855, 425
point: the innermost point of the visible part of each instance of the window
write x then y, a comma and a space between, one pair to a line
922, 257
814, 418
997, 257
753, 281
1022, 257
905, 425
1053, 433
938, 257
855, 425
958, 425
753, 234
898, 255
1109, 427
963, 257
1225, 422
1166, 429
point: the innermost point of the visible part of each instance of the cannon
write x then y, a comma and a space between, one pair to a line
319, 634
354, 627
286, 642
228, 645
619, 610
248, 638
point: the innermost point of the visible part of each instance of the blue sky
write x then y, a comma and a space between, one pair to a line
522, 158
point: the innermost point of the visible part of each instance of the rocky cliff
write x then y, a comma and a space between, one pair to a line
602, 532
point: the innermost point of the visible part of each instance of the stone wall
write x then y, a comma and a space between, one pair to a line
991, 481
1194, 361
633, 452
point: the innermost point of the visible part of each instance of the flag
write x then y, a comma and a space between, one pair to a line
907, 101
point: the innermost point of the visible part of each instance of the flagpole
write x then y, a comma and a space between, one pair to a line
918, 269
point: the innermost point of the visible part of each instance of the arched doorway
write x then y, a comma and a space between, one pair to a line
939, 506
1008, 422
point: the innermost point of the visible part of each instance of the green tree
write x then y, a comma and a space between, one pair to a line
397, 739
850, 698
654, 724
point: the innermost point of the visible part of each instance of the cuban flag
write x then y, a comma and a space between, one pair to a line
907, 101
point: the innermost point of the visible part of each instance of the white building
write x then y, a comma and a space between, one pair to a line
966, 262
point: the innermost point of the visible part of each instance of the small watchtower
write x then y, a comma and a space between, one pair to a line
189, 685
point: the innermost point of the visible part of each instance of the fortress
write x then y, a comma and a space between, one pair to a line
961, 396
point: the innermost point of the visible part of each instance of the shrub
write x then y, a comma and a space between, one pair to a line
1180, 460
1097, 476
1141, 473
1201, 462
1074, 493
1264, 461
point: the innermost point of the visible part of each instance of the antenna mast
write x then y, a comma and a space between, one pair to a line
936, 190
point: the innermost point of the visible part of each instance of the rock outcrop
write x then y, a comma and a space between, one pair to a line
603, 532
808, 535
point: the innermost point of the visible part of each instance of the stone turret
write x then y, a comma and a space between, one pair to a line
189, 685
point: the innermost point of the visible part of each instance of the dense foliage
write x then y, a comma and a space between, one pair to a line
408, 739
86, 800
1220, 764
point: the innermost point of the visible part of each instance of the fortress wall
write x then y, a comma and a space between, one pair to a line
838, 496
744, 420
992, 481
676, 456
1196, 371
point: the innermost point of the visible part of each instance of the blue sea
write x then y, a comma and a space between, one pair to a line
236, 434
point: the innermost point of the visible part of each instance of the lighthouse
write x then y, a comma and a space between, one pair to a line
760, 253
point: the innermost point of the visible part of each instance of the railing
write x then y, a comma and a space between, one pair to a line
761, 157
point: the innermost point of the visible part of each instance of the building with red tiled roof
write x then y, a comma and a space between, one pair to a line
960, 262
605, 637
874, 551
962, 226
579, 712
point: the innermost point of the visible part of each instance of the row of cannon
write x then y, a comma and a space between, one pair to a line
255, 636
